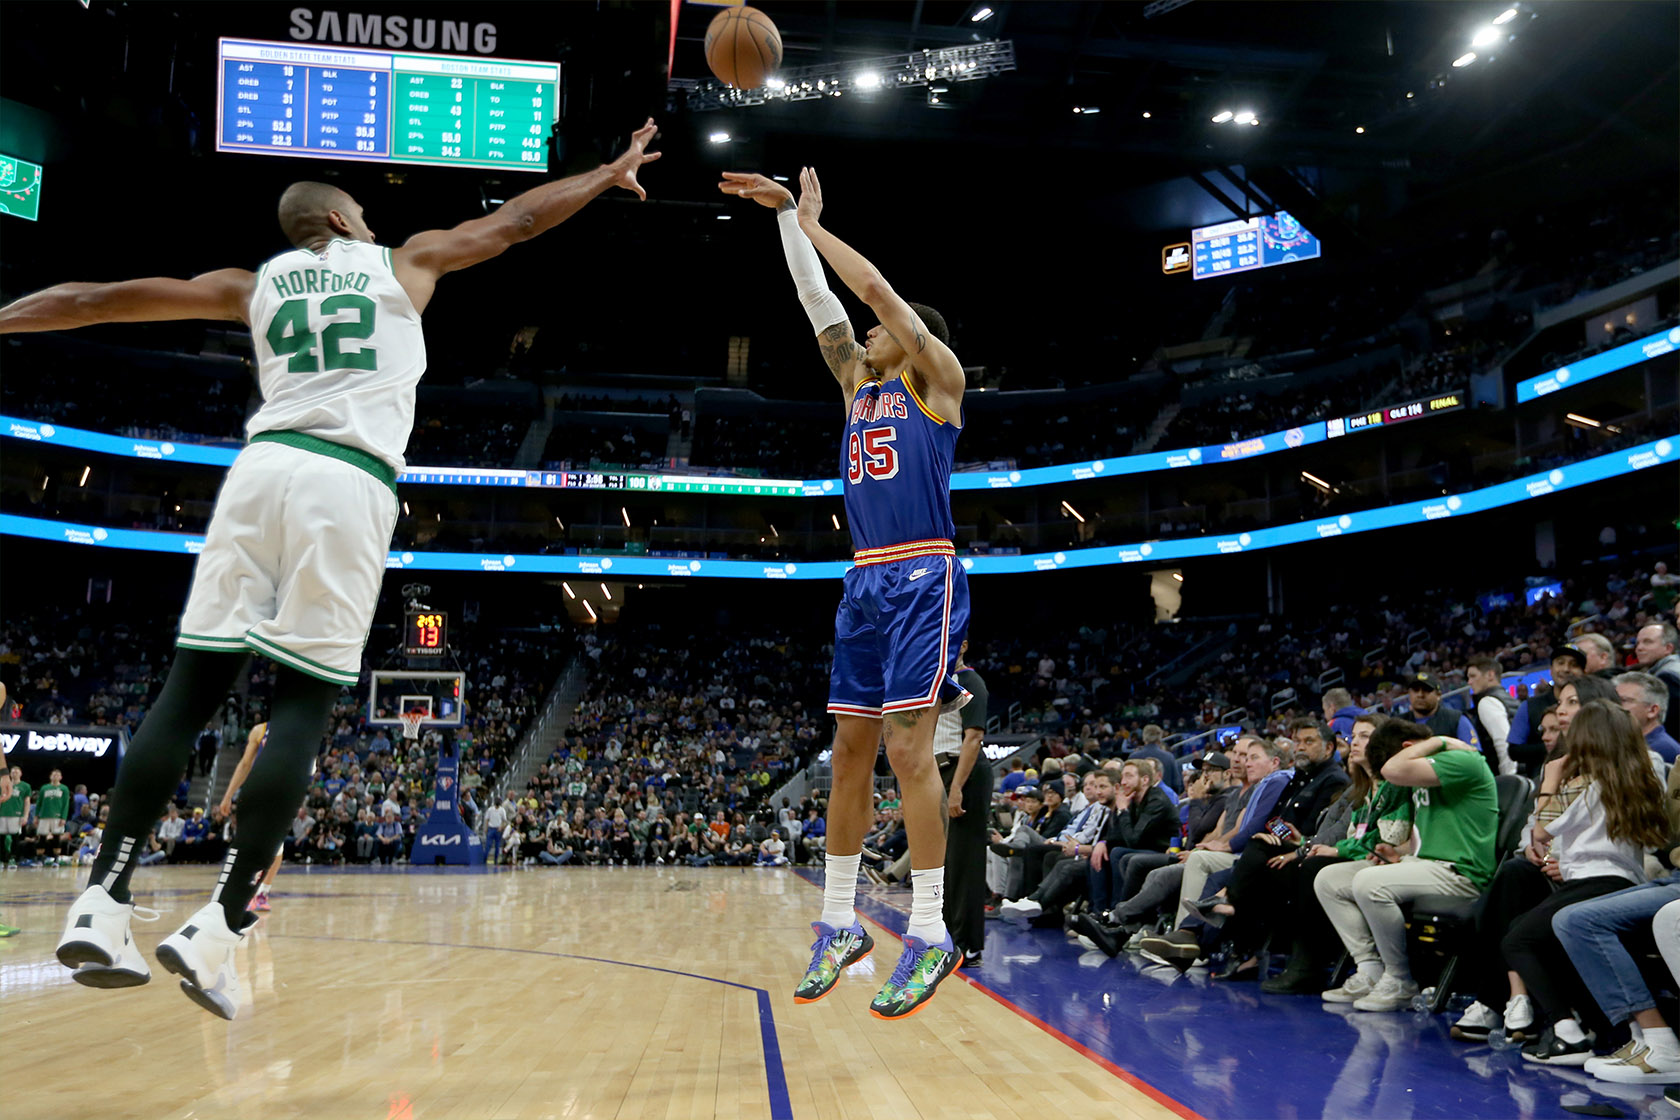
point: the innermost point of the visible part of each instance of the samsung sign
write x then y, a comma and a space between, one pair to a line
397, 32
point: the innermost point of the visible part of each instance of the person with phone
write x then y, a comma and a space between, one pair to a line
1318, 779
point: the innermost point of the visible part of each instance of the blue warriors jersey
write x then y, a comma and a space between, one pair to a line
896, 463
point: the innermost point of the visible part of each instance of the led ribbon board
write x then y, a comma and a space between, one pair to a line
291, 99
1618, 358
1644, 457
37, 431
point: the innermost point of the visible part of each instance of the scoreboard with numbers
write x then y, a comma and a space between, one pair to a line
325, 102
425, 634
1250, 243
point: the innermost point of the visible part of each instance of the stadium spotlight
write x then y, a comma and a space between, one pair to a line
1360, 129
1074, 513
1464, 60
1504, 17
593, 617
1222, 116
570, 594
625, 513
1244, 116
775, 83
719, 137
1146, 114
1179, 576
85, 471
985, 14
869, 79
835, 517
1486, 37
607, 591
723, 217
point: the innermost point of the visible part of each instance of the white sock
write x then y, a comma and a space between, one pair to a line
1665, 1048
1371, 970
263, 890
1568, 1030
927, 905
840, 890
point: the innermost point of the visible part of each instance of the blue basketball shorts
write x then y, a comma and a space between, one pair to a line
897, 633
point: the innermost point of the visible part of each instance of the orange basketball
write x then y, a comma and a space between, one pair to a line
743, 47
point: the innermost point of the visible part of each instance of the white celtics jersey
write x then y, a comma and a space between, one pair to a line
339, 348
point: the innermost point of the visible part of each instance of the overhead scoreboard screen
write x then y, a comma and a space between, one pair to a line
290, 99
1250, 243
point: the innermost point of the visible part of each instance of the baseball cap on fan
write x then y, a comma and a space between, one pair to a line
1213, 760
1575, 653
1423, 682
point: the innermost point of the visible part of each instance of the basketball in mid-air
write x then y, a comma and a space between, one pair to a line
743, 47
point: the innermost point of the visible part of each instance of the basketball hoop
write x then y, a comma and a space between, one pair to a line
411, 722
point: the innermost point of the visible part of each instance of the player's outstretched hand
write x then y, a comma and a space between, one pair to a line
626, 165
761, 189
810, 195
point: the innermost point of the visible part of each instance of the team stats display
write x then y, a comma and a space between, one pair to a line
1250, 243
291, 99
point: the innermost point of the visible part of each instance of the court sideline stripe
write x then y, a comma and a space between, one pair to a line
1127, 1076
781, 1104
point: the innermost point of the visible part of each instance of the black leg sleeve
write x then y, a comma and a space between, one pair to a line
279, 778
196, 686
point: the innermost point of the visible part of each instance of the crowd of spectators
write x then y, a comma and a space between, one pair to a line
1100, 684
469, 438
1534, 828
607, 445
672, 752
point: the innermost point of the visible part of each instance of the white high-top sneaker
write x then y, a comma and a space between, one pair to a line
97, 943
201, 953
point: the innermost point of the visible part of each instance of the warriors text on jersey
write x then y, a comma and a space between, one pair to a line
896, 461
339, 348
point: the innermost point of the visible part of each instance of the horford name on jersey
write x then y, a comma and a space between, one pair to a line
397, 32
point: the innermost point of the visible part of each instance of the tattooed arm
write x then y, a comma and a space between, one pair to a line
936, 367
828, 316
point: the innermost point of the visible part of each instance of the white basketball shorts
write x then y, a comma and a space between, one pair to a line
295, 555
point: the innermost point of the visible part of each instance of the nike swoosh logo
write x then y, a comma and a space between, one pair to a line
918, 573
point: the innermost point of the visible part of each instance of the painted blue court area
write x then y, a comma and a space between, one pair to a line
1227, 1051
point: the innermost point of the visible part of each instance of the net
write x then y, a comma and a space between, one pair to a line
411, 722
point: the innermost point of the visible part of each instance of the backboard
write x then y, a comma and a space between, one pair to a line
441, 695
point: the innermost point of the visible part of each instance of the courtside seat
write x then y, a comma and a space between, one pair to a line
1442, 924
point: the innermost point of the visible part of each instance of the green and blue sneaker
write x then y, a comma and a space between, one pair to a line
833, 951
917, 976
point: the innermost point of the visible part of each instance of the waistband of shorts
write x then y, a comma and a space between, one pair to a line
906, 551
355, 456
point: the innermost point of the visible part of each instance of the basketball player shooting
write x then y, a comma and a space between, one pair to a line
904, 608
295, 552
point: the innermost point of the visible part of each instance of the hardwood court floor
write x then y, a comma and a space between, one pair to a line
436, 995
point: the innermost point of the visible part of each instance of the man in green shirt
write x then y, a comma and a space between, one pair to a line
1455, 818
14, 810
52, 810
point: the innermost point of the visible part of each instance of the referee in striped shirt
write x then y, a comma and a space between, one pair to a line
968, 787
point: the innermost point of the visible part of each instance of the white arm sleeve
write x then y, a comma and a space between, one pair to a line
822, 305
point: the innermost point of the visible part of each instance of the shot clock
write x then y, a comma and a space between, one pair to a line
425, 633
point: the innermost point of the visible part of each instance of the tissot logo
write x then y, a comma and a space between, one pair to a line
356, 29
